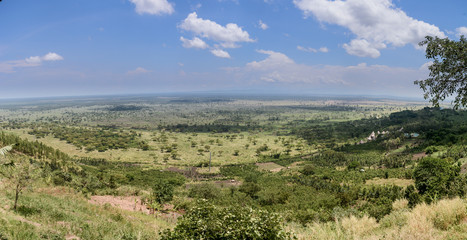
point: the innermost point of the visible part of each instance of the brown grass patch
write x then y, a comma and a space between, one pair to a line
418, 156
391, 181
269, 166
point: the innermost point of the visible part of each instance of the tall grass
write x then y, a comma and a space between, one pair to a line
66, 214
446, 219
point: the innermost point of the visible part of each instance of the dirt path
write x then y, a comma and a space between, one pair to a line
418, 156
131, 203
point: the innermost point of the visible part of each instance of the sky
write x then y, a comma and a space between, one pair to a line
342, 47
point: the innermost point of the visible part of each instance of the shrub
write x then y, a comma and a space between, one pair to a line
205, 221
434, 177
162, 191
204, 190
308, 170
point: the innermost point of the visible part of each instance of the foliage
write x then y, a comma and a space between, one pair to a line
204, 190
100, 139
434, 178
308, 170
5, 150
205, 221
448, 73
162, 191
18, 176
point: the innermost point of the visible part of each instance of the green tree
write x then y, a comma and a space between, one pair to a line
162, 191
448, 73
434, 177
205, 221
308, 170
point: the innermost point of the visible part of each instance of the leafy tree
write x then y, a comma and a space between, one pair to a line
433, 177
308, 170
205, 221
250, 188
204, 190
448, 73
412, 196
162, 191
353, 165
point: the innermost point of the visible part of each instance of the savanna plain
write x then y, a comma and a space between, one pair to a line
231, 167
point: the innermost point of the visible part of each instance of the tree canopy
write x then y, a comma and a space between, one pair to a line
448, 73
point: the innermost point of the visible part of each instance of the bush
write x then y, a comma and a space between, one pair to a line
205, 221
434, 178
163, 191
308, 170
204, 190
250, 188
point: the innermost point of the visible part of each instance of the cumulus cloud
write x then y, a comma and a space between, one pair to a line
153, 7
193, 43
313, 50
138, 70
461, 31
33, 61
220, 53
230, 33
375, 23
280, 70
262, 25
52, 57
228, 36
363, 48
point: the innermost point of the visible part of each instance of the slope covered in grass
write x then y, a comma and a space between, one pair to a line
60, 213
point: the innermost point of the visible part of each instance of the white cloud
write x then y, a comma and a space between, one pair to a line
208, 29
280, 70
52, 57
274, 60
193, 43
227, 36
362, 48
376, 23
33, 61
263, 25
461, 31
220, 53
313, 50
153, 7
138, 70
323, 49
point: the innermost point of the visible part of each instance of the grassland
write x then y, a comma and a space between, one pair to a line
300, 158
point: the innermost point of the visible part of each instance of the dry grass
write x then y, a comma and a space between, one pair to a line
358, 227
400, 204
269, 166
446, 219
391, 181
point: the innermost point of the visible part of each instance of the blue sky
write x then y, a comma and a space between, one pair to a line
353, 47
